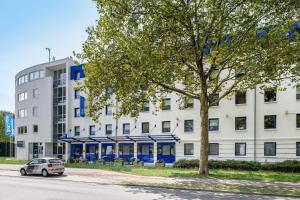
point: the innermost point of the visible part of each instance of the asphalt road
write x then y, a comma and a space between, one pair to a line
54, 188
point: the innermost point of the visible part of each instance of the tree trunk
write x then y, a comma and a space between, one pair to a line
203, 165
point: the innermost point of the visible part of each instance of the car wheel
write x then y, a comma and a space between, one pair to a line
23, 172
60, 173
45, 173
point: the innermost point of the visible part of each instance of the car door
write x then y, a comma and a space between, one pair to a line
32, 166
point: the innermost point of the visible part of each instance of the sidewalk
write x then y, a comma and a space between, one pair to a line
109, 177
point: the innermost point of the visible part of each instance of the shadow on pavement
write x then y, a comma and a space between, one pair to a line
202, 195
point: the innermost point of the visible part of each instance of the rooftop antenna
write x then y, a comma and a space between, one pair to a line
49, 52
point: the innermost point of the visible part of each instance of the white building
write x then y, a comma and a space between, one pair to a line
50, 121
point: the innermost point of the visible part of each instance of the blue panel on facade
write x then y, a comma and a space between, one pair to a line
82, 106
145, 152
108, 152
74, 70
92, 152
166, 152
126, 151
76, 151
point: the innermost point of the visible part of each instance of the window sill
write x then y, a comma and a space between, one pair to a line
217, 131
242, 130
270, 102
271, 129
241, 104
214, 106
188, 132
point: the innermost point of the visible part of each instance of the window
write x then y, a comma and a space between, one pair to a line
22, 113
76, 112
270, 148
145, 127
297, 120
188, 102
77, 75
36, 75
270, 121
270, 95
213, 149
146, 106
240, 123
108, 110
240, 98
34, 111
22, 130
188, 125
35, 93
126, 128
213, 124
166, 104
108, 129
20, 144
93, 130
298, 92
166, 126
297, 148
22, 96
35, 128
239, 73
22, 79
214, 100
240, 149
76, 94
188, 149
77, 131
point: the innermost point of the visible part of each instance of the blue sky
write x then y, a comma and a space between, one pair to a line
28, 26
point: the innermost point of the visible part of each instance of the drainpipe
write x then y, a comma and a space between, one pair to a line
254, 124
117, 128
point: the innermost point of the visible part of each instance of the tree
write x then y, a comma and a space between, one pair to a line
206, 50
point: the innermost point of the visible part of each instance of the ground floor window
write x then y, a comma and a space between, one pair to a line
270, 148
188, 149
213, 149
298, 148
240, 149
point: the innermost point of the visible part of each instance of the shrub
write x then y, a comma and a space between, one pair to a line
187, 164
160, 163
285, 166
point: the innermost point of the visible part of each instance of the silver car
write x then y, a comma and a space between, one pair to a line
43, 166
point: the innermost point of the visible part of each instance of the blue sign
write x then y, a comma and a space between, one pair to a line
9, 124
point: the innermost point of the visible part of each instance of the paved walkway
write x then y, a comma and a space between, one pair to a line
109, 177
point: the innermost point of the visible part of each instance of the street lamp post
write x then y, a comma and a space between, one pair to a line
49, 52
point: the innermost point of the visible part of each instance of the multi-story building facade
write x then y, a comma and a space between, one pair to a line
255, 125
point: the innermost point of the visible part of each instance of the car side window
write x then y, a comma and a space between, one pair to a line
34, 162
43, 161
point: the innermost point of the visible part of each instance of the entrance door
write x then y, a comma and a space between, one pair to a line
76, 151
92, 152
108, 152
126, 151
35, 150
145, 152
166, 152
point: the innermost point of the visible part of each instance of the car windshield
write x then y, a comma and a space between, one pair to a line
54, 161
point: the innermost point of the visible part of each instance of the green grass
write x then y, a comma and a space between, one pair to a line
223, 188
5, 160
191, 173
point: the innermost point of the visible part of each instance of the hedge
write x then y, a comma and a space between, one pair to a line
285, 166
